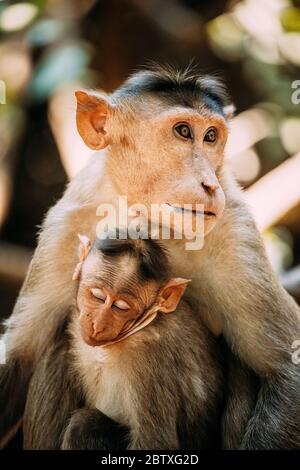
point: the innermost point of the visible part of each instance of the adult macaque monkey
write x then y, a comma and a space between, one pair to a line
164, 132
123, 354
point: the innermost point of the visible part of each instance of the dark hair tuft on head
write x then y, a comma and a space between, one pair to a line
185, 87
151, 256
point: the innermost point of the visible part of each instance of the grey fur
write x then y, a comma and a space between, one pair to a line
172, 369
234, 290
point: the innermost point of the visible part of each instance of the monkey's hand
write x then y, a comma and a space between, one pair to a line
89, 429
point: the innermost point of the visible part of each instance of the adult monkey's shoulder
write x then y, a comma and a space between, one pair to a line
165, 133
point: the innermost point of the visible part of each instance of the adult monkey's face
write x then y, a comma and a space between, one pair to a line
166, 135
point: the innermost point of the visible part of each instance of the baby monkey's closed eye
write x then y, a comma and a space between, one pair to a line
98, 293
121, 304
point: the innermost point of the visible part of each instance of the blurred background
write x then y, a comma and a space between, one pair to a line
50, 48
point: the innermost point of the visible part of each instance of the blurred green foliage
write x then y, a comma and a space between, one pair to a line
46, 44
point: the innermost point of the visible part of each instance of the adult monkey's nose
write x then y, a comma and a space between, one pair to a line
210, 187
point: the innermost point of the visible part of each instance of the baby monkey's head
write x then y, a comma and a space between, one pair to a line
122, 286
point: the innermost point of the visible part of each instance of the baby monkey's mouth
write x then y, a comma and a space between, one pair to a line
179, 208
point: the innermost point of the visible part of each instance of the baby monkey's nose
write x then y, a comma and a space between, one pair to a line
98, 328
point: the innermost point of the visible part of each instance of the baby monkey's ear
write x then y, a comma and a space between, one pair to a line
171, 293
84, 249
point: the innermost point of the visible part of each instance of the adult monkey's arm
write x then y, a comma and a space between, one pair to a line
232, 279
258, 318
46, 295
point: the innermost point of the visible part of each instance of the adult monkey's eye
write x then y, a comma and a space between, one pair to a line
210, 135
183, 131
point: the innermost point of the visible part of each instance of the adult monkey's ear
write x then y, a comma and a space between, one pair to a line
215, 89
91, 115
229, 111
171, 293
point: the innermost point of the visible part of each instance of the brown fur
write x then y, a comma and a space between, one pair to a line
163, 385
234, 288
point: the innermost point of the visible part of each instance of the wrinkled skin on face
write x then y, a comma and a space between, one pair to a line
106, 311
111, 297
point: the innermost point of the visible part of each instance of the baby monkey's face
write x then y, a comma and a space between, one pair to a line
112, 297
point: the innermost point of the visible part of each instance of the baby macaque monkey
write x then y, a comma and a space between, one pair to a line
136, 354
112, 305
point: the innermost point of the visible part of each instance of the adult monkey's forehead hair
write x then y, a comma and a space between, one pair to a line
186, 88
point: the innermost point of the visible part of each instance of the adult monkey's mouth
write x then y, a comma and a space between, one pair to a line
179, 208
